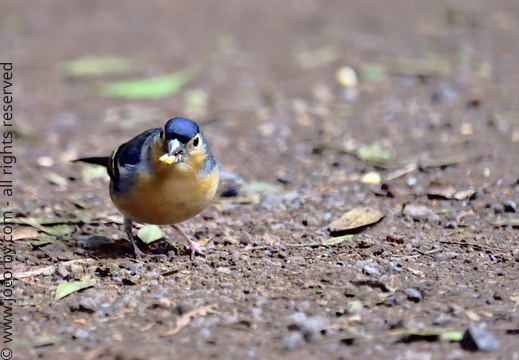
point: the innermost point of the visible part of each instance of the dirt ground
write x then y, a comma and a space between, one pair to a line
437, 95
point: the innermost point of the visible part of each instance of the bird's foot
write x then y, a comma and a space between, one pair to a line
196, 249
193, 246
139, 254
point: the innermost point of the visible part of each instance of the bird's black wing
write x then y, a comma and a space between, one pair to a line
127, 154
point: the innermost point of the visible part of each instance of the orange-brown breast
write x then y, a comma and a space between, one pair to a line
174, 193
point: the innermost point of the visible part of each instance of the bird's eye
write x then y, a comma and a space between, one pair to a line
196, 141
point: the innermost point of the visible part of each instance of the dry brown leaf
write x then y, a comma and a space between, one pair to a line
441, 190
185, 319
355, 219
25, 233
35, 272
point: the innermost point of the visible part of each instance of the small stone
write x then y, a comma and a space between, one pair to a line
477, 338
365, 243
451, 225
285, 178
443, 320
497, 209
413, 295
312, 326
205, 333
421, 213
81, 334
87, 305
230, 191
398, 239
371, 178
293, 341
370, 270
391, 269
62, 271
45, 161
106, 309
510, 206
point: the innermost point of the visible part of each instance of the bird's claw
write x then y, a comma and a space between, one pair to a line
196, 249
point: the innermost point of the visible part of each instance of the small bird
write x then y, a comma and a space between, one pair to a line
162, 177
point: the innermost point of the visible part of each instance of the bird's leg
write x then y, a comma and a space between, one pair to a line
194, 247
127, 225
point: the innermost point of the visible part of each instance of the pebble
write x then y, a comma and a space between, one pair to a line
478, 338
413, 295
231, 191
106, 309
293, 341
81, 334
312, 326
87, 305
451, 225
497, 209
370, 270
421, 213
443, 320
391, 269
510, 206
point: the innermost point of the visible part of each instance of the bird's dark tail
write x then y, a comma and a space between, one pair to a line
99, 160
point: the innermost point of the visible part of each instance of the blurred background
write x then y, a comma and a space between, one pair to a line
264, 76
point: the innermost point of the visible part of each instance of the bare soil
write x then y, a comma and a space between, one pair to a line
404, 288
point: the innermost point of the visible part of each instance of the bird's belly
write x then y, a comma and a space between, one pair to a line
165, 202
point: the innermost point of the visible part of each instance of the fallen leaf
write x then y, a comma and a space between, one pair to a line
433, 66
375, 154
90, 172
35, 272
328, 242
507, 222
452, 335
253, 199
445, 191
56, 179
96, 66
56, 230
395, 174
25, 233
150, 233
260, 187
315, 58
441, 162
196, 101
372, 72
472, 315
355, 219
68, 288
156, 87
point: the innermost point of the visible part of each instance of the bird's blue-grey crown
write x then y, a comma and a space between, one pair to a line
181, 129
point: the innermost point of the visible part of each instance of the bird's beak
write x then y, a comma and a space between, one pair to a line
176, 152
